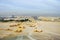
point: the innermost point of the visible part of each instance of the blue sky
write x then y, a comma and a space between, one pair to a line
30, 7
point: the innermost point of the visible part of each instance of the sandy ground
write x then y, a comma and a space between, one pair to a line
51, 31
49, 26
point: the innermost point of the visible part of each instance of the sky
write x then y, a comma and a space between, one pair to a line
30, 7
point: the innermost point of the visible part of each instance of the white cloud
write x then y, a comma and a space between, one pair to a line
32, 5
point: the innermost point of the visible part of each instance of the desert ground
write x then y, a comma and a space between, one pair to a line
50, 31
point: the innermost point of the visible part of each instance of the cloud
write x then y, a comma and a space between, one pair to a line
31, 6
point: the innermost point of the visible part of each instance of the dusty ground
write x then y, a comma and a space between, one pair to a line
51, 31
